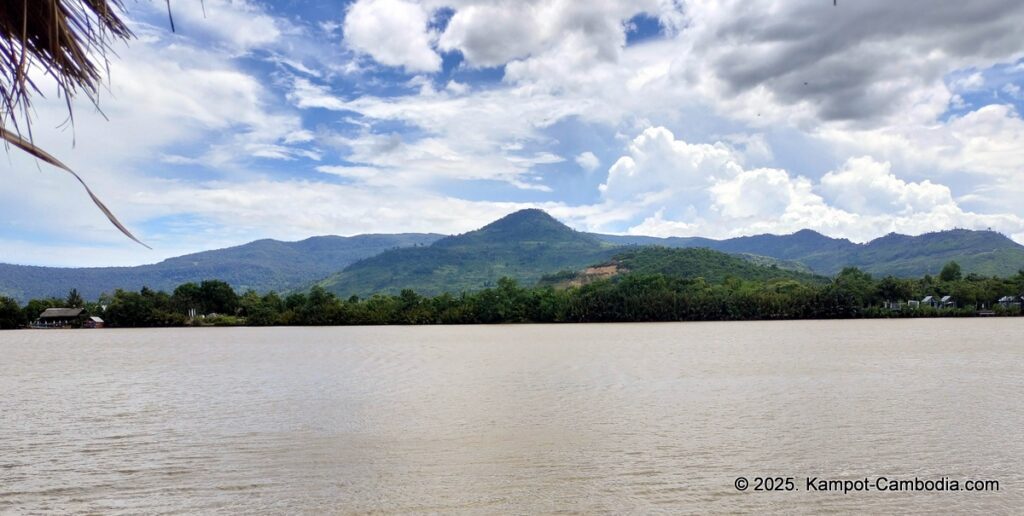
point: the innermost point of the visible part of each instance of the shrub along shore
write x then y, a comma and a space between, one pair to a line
626, 298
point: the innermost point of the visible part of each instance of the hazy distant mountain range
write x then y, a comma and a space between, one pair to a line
526, 245
983, 252
261, 265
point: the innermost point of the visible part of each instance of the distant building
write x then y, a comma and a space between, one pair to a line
929, 301
60, 318
913, 304
93, 322
1011, 301
947, 302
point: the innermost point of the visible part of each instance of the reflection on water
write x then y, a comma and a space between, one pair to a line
499, 419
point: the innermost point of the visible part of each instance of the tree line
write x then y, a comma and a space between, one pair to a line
631, 297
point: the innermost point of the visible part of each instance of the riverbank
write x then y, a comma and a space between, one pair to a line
627, 298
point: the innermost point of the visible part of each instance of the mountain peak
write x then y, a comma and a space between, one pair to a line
521, 217
808, 233
531, 225
524, 245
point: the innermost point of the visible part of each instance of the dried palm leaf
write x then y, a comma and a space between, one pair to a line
66, 39
42, 155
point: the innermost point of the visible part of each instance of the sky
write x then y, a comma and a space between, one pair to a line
716, 118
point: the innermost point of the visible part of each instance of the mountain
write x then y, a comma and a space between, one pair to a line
694, 262
262, 265
982, 252
524, 245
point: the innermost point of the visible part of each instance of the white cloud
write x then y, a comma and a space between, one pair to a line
351, 172
172, 103
867, 187
492, 34
986, 142
306, 94
393, 32
972, 82
588, 161
752, 147
1012, 90
762, 193
656, 225
478, 136
989, 140
496, 33
675, 186
659, 167
457, 87
239, 25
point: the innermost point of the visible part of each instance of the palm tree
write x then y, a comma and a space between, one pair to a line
74, 299
68, 40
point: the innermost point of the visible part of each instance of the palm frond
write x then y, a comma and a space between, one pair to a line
42, 155
68, 40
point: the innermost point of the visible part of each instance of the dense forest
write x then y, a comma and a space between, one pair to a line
628, 297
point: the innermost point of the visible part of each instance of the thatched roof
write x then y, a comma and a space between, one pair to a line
61, 313
66, 39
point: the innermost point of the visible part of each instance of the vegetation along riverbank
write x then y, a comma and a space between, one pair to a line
652, 285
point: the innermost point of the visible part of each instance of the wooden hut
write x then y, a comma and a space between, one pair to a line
60, 318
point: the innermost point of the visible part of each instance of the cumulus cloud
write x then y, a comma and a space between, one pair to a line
588, 161
988, 141
868, 187
658, 166
495, 33
393, 32
763, 192
492, 34
860, 61
675, 187
658, 226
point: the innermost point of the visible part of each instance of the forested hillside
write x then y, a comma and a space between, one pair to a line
523, 246
712, 266
262, 265
981, 252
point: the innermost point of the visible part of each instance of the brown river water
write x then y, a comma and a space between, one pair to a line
611, 418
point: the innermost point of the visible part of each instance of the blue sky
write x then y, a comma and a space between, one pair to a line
664, 117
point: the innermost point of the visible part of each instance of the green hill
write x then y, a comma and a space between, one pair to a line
262, 265
691, 263
981, 252
524, 245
